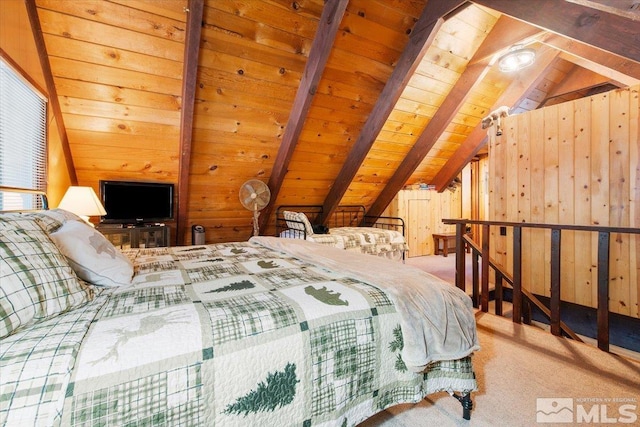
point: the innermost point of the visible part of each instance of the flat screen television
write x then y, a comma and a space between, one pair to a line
136, 202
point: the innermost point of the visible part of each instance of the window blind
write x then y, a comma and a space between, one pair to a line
23, 139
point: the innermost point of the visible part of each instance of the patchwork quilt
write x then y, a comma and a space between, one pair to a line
368, 240
220, 335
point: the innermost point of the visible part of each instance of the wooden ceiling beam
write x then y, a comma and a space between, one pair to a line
505, 32
627, 8
513, 95
52, 93
420, 39
607, 64
607, 31
578, 79
328, 26
189, 80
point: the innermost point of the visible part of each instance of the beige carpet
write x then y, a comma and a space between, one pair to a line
519, 364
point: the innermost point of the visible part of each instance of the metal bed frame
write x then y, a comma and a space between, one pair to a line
343, 216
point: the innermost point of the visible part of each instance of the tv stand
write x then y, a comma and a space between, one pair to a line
136, 235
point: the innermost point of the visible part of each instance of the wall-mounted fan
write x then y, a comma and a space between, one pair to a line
255, 195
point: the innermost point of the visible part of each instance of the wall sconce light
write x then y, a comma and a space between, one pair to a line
516, 59
83, 202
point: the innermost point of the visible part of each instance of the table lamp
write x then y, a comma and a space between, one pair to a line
83, 202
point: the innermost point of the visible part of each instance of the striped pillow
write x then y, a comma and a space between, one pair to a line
36, 281
290, 217
52, 220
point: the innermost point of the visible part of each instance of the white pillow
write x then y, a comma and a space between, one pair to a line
91, 255
301, 218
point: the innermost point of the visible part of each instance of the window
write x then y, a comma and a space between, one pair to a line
23, 139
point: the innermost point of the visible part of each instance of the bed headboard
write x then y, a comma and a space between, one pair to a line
15, 199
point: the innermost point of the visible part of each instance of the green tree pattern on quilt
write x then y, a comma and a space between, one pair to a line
278, 391
326, 296
235, 286
397, 345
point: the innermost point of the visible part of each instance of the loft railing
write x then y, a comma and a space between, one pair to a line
522, 298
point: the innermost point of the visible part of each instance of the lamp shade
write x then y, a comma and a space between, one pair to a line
82, 201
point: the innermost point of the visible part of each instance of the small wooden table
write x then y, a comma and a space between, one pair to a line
446, 238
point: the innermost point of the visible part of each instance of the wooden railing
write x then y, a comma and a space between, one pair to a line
522, 298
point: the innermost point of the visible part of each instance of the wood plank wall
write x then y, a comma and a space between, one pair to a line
572, 163
423, 211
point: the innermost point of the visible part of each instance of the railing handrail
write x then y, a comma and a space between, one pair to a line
573, 227
603, 248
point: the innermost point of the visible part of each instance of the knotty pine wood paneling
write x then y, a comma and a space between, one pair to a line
572, 163
118, 72
423, 211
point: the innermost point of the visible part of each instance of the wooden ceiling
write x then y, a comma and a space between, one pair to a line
338, 103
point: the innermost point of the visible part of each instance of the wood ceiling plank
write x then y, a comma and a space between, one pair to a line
89, 107
226, 42
121, 127
111, 57
121, 15
120, 38
286, 20
82, 71
380, 12
298, 43
104, 140
173, 9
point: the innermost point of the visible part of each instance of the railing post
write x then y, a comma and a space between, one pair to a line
603, 290
460, 257
498, 293
555, 282
517, 274
475, 279
484, 296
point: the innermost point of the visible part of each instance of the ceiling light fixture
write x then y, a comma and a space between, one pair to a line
516, 59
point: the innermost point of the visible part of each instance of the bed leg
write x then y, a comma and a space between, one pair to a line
466, 402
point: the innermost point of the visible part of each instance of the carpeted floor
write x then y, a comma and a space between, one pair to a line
519, 364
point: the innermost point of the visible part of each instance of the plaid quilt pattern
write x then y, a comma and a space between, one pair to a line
36, 365
234, 335
37, 281
368, 240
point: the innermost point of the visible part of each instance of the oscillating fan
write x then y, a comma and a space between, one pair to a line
255, 195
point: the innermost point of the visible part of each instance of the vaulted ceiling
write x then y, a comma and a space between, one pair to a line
336, 102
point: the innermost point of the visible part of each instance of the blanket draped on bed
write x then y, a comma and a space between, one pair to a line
448, 331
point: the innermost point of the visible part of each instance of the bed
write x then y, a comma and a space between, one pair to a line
234, 334
348, 228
